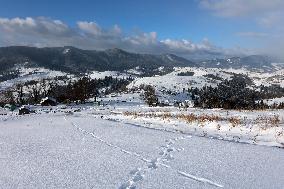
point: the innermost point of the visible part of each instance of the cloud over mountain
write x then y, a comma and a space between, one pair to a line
42, 31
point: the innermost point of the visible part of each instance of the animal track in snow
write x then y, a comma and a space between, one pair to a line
136, 176
165, 155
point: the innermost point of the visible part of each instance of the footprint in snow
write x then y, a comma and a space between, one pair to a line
136, 176
165, 155
154, 163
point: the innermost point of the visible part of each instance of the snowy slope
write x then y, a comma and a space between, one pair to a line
200, 78
29, 74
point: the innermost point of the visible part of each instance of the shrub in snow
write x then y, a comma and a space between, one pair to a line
150, 95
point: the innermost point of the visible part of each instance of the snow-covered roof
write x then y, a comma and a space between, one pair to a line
48, 98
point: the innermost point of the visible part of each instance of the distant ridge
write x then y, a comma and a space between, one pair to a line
74, 60
252, 62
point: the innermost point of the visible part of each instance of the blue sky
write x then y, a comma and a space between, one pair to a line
224, 25
168, 18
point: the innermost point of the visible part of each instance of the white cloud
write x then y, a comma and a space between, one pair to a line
17, 22
241, 8
90, 27
43, 32
143, 39
253, 34
268, 15
187, 46
273, 20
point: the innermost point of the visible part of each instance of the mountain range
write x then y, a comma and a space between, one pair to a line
74, 60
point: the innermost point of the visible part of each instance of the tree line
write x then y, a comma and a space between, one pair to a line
63, 91
235, 94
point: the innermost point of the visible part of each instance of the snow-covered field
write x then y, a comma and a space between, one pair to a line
90, 146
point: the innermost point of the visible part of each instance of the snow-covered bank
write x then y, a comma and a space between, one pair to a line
253, 127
